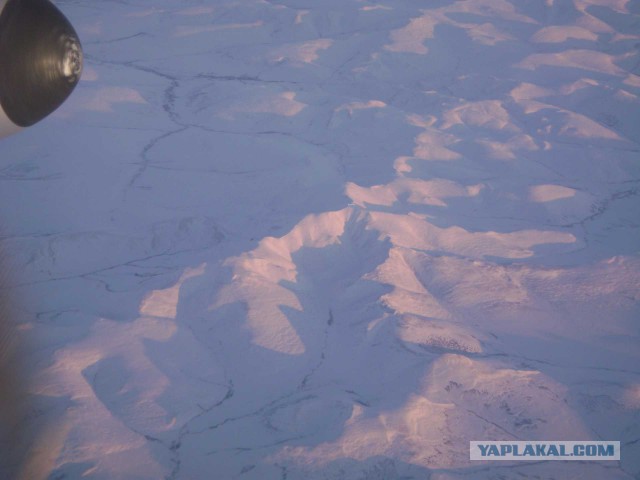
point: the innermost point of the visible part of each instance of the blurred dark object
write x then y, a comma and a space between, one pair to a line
13, 384
40, 65
40, 60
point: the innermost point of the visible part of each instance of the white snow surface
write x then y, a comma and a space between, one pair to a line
333, 239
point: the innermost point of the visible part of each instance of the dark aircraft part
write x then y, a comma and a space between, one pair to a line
40, 65
40, 60
12, 385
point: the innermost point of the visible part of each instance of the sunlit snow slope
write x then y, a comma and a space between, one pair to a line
333, 239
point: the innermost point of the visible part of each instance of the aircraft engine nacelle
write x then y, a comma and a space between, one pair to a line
40, 62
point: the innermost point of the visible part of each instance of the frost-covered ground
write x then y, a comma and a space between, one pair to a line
333, 239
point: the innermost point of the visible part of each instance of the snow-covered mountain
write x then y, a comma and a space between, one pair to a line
333, 239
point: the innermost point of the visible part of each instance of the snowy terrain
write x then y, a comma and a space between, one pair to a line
332, 239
